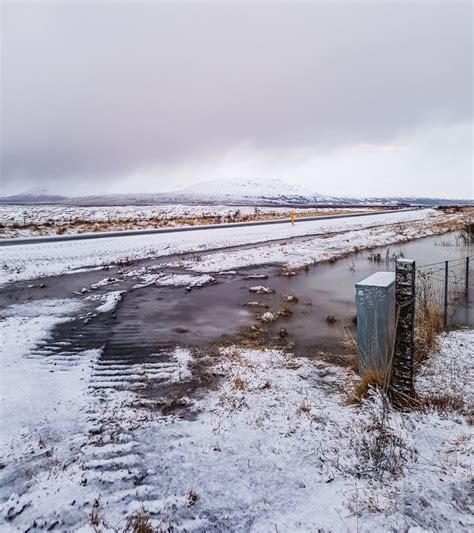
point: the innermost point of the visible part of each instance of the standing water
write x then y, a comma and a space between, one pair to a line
327, 292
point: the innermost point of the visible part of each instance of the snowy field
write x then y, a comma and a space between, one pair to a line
18, 221
214, 437
323, 239
273, 446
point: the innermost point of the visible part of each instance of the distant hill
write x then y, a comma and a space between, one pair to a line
237, 191
234, 191
36, 195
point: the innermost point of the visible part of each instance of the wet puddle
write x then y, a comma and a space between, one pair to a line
327, 290
151, 320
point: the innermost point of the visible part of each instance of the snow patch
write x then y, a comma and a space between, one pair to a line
111, 300
260, 289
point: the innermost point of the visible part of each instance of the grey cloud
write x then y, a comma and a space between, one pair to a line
101, 89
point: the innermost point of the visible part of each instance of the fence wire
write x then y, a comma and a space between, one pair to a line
440, 285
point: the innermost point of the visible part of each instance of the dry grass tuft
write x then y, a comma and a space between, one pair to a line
304, 408
348, 359
381, 449
428, 325
95, 519
444, 403
139, 522
370, 379
284, 311
238, 383
253, 336
428, 318
350, 345
287, 272
467, 229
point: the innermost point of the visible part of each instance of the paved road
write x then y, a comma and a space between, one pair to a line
128, 233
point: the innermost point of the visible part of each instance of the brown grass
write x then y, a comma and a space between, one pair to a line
139, 522
304, 408
284, 311
370, 379
428, 325
467, 229
287, 271
238, 383
444, 403
428, 317
94, 519
82, 225
253, 336
348, 359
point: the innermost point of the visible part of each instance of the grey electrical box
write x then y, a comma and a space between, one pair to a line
375, 297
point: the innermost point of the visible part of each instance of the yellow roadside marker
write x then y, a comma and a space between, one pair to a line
292, 217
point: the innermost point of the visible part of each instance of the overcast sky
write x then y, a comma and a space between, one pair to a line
357, 98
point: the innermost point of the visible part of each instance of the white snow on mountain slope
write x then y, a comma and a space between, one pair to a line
36, 192
246, 188
35, 195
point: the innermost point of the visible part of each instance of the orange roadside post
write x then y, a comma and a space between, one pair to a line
292, 217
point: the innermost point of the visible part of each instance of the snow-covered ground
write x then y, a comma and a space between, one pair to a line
274, 446
17, 221
325, 239
40, 214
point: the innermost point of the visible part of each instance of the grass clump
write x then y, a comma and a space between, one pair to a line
95, 519
304, 408
428, 325
139, 522
467, 229
428, 317
443, 403
238, 383
369, 380
381, 450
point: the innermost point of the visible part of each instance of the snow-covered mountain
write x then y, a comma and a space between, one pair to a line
246, 190
232, 191
37, 195
245, 187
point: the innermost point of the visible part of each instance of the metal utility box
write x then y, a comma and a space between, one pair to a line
375, 298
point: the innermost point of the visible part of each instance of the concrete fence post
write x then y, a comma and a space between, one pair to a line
375, 298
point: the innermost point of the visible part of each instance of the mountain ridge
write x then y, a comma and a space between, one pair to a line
228, 191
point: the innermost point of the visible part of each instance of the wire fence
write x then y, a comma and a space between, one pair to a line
442, 286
